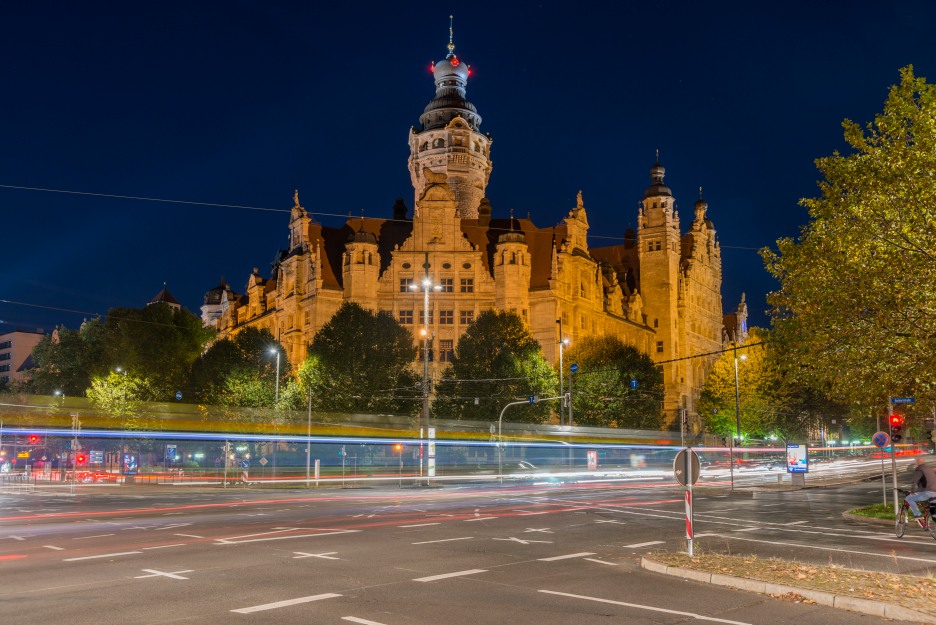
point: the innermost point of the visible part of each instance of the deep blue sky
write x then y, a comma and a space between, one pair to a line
242, 102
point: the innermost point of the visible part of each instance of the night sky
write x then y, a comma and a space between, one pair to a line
239, 103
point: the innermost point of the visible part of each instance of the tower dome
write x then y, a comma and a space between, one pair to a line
451, 79
657, 188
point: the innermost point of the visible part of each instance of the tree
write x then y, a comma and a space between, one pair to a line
239, 370
602, 389
857, 305
360, 361
158, 341
120, 396
496, 361
68, 359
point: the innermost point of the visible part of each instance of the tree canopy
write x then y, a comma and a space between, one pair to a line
496, 361
360, 361
856, 309
602, 394
240, 370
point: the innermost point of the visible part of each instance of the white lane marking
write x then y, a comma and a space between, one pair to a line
646, 607
481, 518
705, 535
447, 575
544, 530
639, 545
165, 546
54, 547
768, 505
611, 521
22, 538
571, 555
419, 525
228, 541
444, 540
748, 529
601, 562
326, 556
719, 511
535, 513
362, 621
188, 535
84, 537
103, 555
523, 542
795, 523
155, 573
283, 604
172, 526
889, 556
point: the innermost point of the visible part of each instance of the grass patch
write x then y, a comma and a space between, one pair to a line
917, 593
876, 511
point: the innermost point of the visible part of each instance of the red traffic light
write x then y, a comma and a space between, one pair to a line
80, 459
33, 439
896, 420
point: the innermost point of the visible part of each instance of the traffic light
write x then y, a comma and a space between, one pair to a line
398, 447
896, 426
80, 458
34, 439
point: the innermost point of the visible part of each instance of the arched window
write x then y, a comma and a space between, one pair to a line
424, 146
438, 143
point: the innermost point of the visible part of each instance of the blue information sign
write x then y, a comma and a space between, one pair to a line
634, 383
903, 400
573, 367
178, 395
245, 464
532, 399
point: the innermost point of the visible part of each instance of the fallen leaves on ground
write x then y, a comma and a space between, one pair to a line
914, 592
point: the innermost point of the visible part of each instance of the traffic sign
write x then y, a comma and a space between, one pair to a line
633, 383
178, 395
903, 400
245, 464
532, 399
880, 439
573, 367
679, 467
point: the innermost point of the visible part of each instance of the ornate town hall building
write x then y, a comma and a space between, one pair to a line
659, 290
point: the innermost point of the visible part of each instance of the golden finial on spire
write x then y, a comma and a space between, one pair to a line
658, 155
451, 43
296, 197
700, 192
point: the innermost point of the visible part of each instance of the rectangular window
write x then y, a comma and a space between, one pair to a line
6, 345
448, 285
466, 317
446, 317
405, 285
406, 317
5, 356
422, 317
467, 285
446, 351
659, 347
4, 367
656, 323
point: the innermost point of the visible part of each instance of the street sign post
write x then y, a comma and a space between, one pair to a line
686, 469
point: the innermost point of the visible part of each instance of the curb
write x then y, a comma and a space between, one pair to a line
854, 604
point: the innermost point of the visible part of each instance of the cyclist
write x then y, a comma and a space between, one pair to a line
923, 487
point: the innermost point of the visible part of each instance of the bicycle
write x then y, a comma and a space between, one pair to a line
904, 514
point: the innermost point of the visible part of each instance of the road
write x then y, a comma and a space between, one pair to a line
519, 553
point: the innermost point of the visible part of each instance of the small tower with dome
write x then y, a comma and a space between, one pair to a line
448, 139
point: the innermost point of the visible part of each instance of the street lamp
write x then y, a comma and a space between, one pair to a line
737, 395
123, 418
398, 447
426, 285
563, 342
275, 350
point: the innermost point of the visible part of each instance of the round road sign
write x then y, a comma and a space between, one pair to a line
679, 467
880, 439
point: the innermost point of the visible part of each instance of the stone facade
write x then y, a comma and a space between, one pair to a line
659, 290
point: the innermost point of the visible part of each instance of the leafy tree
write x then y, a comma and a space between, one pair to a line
496, 361
360, 361
602, 395
755, 387
239, 370
857, 305
67, 360
158, 340
121, 396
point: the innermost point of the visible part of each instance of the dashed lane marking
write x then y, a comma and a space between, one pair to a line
283, 604
571, 555
523, 542
362, 621
165, 546
646, 607
54, 547
544, 530
601, 561
103, 555
95, 536
444, 540
639, 545
433, 578
419, 525
188, 535
235, 540
481, 518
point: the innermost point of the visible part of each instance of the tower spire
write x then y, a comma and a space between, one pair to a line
451, 43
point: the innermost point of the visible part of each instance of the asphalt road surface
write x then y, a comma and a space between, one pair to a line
524, 554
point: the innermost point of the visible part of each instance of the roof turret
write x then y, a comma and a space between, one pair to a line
451, 79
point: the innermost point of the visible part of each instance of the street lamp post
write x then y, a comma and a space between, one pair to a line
309, 439
426, 286
275, 350
737, 395
562, 343
123, 421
